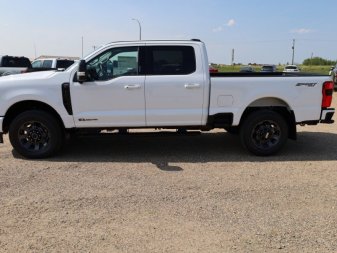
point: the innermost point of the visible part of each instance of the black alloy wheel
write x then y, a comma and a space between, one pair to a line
36, 134
264, 132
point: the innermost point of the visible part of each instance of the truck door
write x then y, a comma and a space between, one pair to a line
113, 96
174, 86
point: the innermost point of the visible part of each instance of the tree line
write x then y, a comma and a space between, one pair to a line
318, 61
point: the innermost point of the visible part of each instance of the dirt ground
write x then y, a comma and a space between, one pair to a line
202, 193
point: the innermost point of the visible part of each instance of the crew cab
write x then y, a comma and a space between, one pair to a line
158, 84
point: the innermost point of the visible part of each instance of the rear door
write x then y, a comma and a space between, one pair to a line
174, 86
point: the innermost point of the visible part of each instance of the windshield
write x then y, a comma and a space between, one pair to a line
96, 49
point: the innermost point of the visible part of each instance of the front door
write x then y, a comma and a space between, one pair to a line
113, 96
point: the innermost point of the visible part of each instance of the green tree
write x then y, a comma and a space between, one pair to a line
318, 61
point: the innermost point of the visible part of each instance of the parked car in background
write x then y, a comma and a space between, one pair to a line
213, 70
291, 68
247, 69
52, 63
13, 65
268, 68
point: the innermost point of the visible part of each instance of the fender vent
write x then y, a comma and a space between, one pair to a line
67, 98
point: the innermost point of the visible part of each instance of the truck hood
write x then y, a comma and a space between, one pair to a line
28, 76
42, 79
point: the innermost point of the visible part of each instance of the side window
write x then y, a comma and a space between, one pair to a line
170, 60
64, 64
37, 64
113, 63
47, 64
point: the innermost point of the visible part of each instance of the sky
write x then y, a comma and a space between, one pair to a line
259, 31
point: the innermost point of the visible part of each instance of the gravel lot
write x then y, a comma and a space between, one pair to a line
200, 193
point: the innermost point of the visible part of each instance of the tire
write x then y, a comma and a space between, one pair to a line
233, 130
36, 134
264, 132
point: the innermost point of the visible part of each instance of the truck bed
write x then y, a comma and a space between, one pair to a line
260, 74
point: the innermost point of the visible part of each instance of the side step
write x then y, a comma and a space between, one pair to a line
152, 134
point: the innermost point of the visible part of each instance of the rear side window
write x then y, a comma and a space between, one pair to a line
47, 64
170, 60
64, 64
15, 62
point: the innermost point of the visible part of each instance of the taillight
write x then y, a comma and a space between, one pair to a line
327, 94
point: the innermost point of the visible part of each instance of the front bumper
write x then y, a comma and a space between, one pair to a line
326, 116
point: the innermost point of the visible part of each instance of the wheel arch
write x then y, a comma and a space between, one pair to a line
274, 104
27, 105
269, 102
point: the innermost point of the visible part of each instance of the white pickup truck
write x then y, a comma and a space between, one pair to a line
52, 63
158, 84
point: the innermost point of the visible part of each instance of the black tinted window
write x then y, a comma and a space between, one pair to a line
15, 62
170, 60
64, 64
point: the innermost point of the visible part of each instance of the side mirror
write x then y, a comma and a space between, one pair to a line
82, 71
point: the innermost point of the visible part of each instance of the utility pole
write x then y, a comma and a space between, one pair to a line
293, 48
233, 54
140, 28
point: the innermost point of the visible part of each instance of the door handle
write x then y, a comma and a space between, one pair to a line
192, 85
132, 86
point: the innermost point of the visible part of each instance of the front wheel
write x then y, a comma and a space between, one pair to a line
35, 134
264, 132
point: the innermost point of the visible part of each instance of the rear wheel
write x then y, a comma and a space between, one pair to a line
35, 134
264, 132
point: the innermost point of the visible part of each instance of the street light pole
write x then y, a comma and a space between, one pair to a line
140, 28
